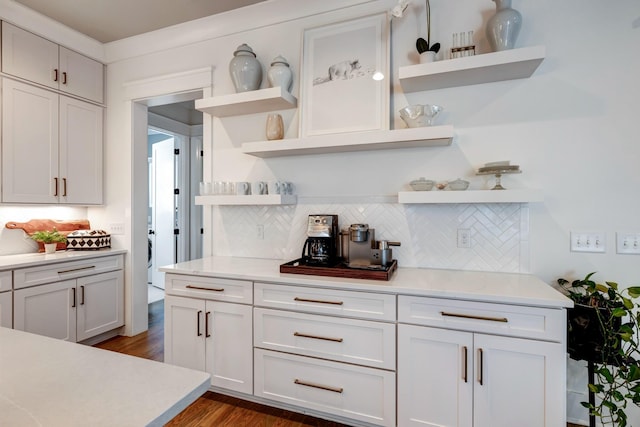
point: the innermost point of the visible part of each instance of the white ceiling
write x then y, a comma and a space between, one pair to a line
109, 20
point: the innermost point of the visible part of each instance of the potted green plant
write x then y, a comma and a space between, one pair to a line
602, 328
49, 239
424, 46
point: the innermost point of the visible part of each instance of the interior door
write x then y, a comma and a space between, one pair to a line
163, 216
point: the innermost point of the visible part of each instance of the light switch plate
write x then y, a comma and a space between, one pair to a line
588, 241
628, 243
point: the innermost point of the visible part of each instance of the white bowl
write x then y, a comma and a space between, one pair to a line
419, 115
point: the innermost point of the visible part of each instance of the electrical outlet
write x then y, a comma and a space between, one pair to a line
464, 238
260, 232
116, 228
588, 241
628, 243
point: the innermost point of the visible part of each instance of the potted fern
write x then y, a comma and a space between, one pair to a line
603, 329
49, 239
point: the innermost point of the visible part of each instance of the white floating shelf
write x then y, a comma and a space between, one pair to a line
267, 199
353, 141
470, 70
471, 196
255, 101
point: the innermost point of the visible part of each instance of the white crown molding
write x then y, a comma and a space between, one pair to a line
46, 27
259, 15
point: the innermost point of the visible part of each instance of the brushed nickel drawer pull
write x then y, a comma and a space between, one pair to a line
318, 301
205, 289
320, 386
299, 334
469, 316
76, 269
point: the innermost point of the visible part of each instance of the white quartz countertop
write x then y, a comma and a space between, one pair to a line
507, 288
11, 262
47, 382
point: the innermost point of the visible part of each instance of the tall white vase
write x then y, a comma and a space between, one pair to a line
503, 27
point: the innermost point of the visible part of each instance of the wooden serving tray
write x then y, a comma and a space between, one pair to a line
339, 270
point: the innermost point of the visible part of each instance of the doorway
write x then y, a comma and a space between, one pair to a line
174, 223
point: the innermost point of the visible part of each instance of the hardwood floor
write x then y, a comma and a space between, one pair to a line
211, 409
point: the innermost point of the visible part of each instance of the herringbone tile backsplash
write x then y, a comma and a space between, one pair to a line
428, 233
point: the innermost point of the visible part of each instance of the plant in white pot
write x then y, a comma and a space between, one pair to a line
425, 49
49, 239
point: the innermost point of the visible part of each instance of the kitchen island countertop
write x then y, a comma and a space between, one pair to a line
507, 288
48, 382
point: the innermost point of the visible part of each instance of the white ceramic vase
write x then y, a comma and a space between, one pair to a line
280, 73
503, 27
245, 69
50, 248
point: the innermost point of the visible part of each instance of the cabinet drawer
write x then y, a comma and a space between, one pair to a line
5, 281
366, 305
361, 342
212, 288
500, 319
356, 392
26, 277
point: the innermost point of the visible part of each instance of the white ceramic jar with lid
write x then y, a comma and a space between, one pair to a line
280, 73
245, 69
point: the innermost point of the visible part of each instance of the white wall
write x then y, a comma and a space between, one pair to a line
571, 126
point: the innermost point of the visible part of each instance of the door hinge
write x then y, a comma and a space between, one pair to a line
202, 231
176, 191
201, 153
176, 151
176, 231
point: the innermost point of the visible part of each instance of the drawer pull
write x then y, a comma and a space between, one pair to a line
318, 301
320, 386
315, 337
207, 334
464, 363
76, 269
480, 354
201, 288
469, 316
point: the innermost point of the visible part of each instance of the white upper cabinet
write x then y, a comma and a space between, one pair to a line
30, 57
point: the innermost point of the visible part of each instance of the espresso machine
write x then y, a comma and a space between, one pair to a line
364, 251
321, 246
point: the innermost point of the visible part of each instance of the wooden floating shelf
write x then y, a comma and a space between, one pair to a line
431, 136
251, 102
266, 199
471, 196
470, 70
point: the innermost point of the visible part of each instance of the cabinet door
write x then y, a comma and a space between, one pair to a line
81, 76
229, 345
184, 332
435, 379
100, 304
6, 311
29, 143
80, 179
518, 382
47, 310
29, 56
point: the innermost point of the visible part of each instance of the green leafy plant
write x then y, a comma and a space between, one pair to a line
602, 328
423, 45
45, 236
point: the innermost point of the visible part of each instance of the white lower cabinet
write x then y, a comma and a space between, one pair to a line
355, 392
6, 309
457, 378
211, 336
72, 310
